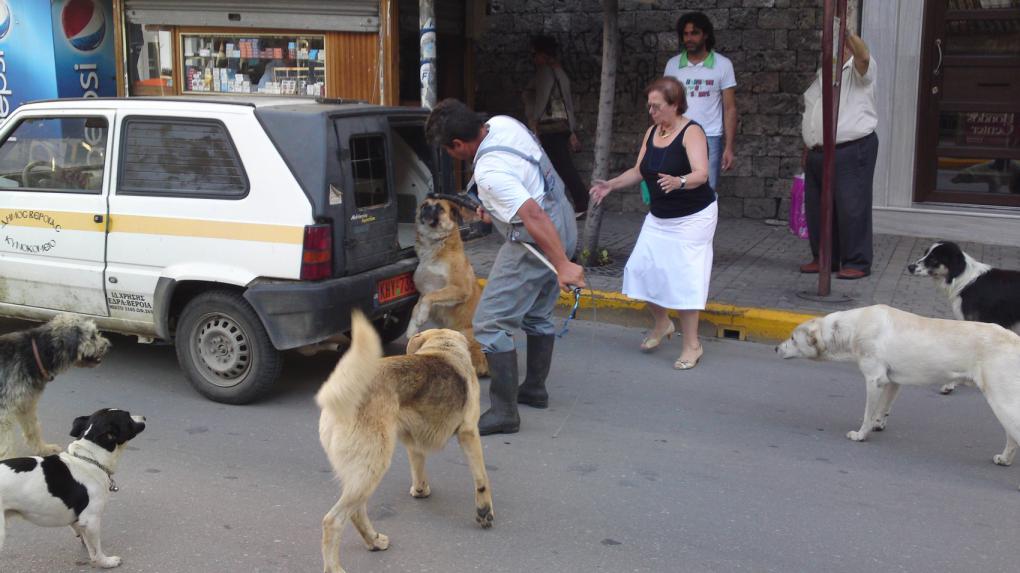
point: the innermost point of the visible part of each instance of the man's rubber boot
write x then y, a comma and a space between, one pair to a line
502, 416
540, 353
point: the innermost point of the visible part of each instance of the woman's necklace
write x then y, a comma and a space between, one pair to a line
663, 132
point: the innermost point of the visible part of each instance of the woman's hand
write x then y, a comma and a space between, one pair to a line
599, 190
575, 143
668, 183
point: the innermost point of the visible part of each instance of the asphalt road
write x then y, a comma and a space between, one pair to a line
738, 465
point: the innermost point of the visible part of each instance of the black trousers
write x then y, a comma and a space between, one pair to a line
851, 201
557, 147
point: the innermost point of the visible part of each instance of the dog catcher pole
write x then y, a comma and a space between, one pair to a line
833, 32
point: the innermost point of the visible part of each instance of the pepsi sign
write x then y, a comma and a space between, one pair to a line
83, 48
83, 24
26, 53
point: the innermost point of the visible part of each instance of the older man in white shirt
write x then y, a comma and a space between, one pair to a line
856, 153
525, 199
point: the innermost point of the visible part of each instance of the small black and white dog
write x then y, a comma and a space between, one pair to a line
71, 488
976, 291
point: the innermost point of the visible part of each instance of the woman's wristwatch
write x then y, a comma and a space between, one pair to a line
683, 181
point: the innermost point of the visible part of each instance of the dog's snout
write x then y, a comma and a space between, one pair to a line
912, 268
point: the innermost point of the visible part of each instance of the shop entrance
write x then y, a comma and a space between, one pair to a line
969, 106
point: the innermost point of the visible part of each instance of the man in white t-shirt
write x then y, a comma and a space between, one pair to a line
711, 89
856, 154
523, 195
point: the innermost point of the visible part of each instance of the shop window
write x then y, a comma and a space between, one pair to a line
259, 64
183, 158
368, 165
150, 61
63, 154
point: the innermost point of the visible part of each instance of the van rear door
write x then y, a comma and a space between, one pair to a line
370, 205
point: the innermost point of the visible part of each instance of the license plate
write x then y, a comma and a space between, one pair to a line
396, 287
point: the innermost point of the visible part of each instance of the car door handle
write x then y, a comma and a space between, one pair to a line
97, 218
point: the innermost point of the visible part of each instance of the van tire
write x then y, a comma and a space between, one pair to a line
224, 350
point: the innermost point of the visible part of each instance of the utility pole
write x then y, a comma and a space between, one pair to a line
427, 35
832, 75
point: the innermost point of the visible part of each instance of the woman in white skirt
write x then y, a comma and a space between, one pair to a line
672, 261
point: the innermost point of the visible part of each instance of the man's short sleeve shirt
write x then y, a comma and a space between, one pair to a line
506, 181
704, 83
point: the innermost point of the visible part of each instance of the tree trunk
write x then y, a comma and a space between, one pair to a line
604, 126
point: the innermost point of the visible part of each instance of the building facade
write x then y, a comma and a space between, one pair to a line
949, 157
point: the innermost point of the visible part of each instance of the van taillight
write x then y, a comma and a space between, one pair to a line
317, 254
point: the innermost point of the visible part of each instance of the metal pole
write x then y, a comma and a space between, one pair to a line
427, 71
832, 74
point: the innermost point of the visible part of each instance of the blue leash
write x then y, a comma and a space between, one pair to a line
573, 313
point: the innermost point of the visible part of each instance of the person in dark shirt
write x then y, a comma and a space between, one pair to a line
671, 264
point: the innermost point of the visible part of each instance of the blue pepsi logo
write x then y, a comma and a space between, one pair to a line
5, 19
84, 24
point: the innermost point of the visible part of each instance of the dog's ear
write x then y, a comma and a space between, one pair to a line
814, 335
458, 217
81, 423
416, 342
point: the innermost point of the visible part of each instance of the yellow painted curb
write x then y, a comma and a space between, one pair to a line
760, 324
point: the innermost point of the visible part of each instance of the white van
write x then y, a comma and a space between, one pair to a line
235, 228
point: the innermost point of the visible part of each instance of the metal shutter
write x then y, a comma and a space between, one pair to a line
319, 15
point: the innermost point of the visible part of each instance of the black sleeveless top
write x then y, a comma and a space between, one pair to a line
672, 160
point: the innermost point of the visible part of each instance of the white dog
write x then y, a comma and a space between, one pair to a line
893, 347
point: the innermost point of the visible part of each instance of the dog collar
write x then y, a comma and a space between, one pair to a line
38, 362
109, 474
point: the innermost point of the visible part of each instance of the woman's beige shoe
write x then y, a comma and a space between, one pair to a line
651, 342
686, 364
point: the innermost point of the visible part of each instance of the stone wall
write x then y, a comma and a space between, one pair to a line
774, 46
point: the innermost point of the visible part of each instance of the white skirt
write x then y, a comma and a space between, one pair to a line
672, 261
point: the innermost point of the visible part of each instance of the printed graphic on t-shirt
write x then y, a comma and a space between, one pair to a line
697, 87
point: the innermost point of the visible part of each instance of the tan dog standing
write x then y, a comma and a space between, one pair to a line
444, 277
369, 402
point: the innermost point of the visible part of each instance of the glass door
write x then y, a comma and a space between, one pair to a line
969, 105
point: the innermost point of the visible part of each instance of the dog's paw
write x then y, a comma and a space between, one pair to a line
380, 543
421, 491
107, 562
50, 449
1001, 460
856, 436
947, 389
879, 425
484, 516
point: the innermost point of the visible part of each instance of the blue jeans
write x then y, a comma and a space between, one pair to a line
715, 149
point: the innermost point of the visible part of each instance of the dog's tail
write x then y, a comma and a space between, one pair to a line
345, 388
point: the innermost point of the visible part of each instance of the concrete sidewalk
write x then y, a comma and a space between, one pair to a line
755, 277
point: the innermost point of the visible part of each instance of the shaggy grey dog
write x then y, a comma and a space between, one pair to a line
31, 358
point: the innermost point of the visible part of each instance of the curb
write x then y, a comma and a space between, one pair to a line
729, 321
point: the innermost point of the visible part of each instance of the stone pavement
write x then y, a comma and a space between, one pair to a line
756, 264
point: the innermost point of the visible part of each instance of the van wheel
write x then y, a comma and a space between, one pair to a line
224, 350
393, 325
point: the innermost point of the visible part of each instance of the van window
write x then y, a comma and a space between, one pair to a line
368, 164
62, 154
180, 158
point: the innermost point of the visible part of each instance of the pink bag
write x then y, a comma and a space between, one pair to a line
797, 220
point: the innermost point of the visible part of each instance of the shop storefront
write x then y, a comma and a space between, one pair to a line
312, 48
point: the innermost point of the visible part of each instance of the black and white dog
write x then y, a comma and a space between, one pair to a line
976, 291
71, 488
